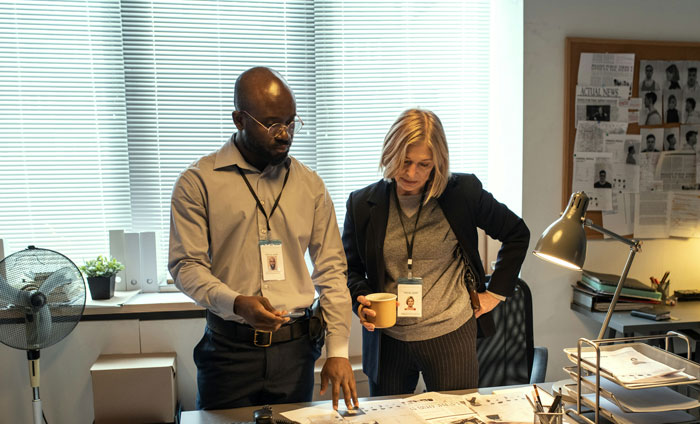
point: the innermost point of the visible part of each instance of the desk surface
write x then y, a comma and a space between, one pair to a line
687, 314
227, 416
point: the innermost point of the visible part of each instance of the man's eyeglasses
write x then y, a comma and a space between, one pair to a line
275, 130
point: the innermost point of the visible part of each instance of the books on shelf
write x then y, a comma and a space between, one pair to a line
601, 287
612, 279
584, 296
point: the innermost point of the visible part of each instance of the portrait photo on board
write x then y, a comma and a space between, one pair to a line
649, 76
652, 139
651, 108
671, 103
671, 137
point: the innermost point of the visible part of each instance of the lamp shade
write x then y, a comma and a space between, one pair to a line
564, 242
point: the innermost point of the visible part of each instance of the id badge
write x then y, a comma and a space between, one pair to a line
272, 260
410, 297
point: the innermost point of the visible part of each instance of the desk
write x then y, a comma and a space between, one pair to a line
687, 322
227, 416
688, 314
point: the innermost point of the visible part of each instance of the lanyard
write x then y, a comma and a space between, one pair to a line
409, 245
257, 200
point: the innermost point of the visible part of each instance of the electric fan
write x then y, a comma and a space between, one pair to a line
42, 297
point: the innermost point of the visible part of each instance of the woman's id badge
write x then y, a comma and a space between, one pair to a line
410, 297
272, 260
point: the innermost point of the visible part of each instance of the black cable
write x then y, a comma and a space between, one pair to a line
44, 416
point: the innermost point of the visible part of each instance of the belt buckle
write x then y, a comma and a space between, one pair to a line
267, 336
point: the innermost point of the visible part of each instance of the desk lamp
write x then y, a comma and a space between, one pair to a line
564, 243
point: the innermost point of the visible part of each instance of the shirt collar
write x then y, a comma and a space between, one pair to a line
229, 156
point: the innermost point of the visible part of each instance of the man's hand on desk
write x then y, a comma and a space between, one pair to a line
339, 372
259, 313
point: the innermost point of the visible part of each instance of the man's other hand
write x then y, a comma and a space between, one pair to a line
259, 313
339, 372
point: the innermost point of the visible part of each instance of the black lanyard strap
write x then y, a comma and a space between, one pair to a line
257, 200
409, 244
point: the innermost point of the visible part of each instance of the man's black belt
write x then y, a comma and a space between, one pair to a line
260, 338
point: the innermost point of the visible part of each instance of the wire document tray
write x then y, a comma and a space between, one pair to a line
589, 373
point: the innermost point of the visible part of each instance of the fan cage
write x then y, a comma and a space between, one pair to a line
25, 327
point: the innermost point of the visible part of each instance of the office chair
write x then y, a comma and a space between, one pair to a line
509, 356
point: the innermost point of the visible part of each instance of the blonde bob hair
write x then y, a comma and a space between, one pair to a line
417, 126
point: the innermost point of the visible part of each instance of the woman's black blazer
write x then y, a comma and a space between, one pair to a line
466, 206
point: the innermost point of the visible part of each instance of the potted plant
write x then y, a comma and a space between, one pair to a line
101, 274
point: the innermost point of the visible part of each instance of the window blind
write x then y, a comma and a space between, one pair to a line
182, 59
64, 173
106, 102
376, 59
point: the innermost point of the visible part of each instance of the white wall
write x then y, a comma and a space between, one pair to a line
547, 24
66, 385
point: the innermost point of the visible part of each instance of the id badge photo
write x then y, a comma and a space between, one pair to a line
272, 261
410, 297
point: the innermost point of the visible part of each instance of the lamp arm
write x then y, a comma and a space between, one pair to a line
633, 250
630, 242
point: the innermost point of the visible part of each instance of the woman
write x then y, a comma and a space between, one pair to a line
673, 77
420, 208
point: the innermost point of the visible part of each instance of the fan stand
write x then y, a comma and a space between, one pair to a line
33, 358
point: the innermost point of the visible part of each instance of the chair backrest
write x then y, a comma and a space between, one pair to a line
506, 357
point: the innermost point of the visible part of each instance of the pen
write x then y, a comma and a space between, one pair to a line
663, 279
539, 400
555, 404
534, 408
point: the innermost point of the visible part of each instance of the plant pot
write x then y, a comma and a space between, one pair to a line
101, 288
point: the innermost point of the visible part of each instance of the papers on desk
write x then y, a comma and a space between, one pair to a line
391, 411
655, 399
437, 408
622, 417
632, 368
508, 406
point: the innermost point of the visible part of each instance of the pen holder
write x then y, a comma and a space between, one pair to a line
554, 417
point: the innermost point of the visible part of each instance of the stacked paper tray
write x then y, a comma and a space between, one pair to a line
690, 368
655, 399
612, 412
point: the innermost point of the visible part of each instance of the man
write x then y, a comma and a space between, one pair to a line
648, 84
651, 144
653, 115
671, 111
670, 142
692, 116
692, 84
232, 209
691, 140
601, 183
